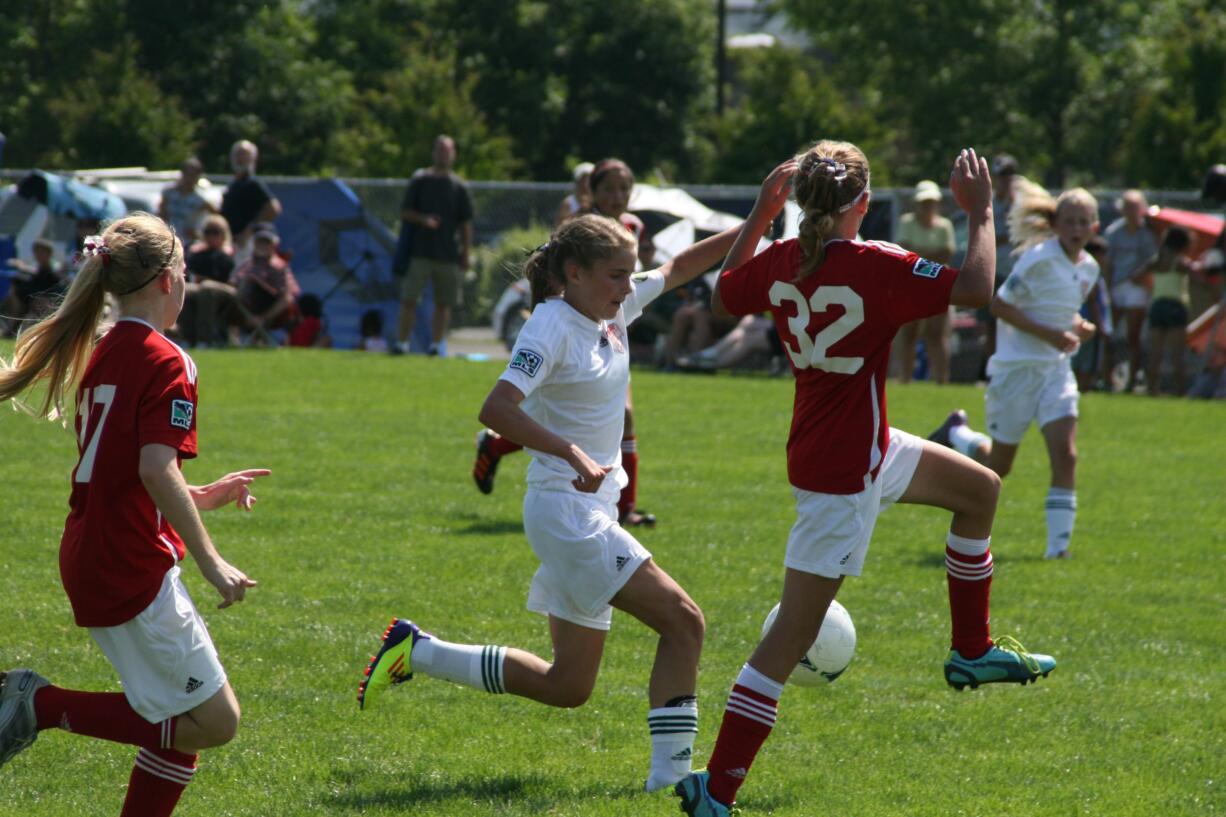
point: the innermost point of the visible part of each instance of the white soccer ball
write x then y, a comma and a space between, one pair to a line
830, 653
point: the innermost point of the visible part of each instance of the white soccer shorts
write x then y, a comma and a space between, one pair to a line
832, 531
165, 656
1019, 395
586, 557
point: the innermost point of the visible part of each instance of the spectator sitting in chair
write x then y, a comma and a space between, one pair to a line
209, 300
36, 287
267, 289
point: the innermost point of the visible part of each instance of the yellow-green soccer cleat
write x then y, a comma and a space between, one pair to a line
1006, 662
393, 664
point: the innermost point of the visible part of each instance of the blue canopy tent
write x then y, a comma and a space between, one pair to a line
344, 256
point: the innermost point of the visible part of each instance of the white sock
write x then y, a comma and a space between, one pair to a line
474, 665
965, 440
673, 729
403, 345
752, 679
1061, 511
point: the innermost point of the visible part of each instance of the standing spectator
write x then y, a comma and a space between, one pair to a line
1168, 313
1087, 361
439, 206
267, 289
209, 301
579, 199
1130, 245
182, 203
247, 200
37, 286
931, 235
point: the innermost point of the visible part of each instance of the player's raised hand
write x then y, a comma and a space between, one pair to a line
970, 181
232, 487
776, 188
230, 582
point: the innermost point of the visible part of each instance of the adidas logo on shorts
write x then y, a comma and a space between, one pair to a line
192, 685
621, 562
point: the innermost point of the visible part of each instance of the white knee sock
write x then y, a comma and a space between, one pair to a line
474, 665
1061, 510
673, 729
966, 440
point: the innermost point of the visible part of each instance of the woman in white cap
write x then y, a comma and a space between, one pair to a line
931, 235
579, 199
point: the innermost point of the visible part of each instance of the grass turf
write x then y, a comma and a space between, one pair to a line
371, 513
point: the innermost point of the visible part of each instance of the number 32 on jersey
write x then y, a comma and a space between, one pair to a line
811, 352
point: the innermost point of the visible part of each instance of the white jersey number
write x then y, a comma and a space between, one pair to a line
811, 352
104, 396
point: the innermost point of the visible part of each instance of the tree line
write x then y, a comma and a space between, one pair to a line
1101, 92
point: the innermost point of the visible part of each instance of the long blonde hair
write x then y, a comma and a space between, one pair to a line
830, 178
136, 249
1032, 218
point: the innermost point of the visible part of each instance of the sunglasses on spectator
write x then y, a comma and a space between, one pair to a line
213, 231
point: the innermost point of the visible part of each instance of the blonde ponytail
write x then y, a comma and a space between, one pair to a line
831, 177
129, 254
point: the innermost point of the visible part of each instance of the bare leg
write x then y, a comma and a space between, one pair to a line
1153, 371
806, 597
1061, 438
937, 332
569, 680
654, 598
1136, 321
1178, 343
946, 479
438, 326
213, 723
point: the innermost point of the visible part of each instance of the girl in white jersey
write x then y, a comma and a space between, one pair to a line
837, 304
1040, 330
132, 516
562, 396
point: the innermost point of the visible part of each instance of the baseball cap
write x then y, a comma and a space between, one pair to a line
927, 190
582, 169
266, 231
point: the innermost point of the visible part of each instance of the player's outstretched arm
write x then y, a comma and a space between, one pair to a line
160, 474
502, 413
232, 487
972, 188
776, 188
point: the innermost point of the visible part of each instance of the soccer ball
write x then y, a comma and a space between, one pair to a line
830, 653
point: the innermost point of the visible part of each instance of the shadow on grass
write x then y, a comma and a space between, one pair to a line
417, 793
472, 524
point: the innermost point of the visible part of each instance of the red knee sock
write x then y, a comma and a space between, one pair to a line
968, 564
500, 446
749, 718
105, 715
157, 781
630, 462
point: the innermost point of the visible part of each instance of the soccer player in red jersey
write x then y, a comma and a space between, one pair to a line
132, 517
837, 304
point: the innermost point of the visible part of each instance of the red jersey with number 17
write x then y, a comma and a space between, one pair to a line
837, 325
138, 389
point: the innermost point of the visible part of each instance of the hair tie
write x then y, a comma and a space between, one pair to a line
827, 167
543, 248
94, 247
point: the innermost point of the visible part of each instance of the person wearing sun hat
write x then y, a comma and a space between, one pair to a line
931, 235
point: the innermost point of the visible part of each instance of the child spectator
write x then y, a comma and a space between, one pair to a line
311, 328
267, 289
1168, 309
372, 332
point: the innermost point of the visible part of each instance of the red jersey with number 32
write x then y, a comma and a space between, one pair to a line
837, 325
139, 389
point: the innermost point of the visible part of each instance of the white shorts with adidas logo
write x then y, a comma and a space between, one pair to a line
165, 656
586, 557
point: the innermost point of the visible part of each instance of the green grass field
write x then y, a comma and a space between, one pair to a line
371, 513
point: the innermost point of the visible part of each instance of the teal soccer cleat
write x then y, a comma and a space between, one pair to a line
1006, 662
696, 801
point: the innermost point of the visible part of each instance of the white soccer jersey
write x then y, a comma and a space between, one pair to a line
1049, 289
573, 373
